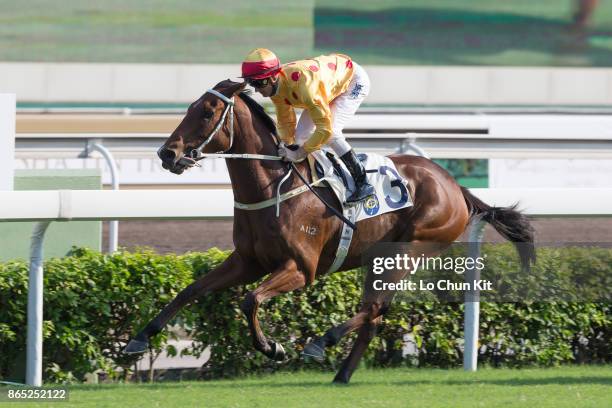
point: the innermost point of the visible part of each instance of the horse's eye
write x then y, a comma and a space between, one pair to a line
207, 114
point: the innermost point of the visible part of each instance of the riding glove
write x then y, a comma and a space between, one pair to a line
291, 153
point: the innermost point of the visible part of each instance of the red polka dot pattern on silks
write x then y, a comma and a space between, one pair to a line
349, 64
331, 66
295, 76
313, 68
287, 101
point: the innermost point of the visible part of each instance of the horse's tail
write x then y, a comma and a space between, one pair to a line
509, 222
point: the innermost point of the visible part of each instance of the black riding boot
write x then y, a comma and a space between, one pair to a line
362, 189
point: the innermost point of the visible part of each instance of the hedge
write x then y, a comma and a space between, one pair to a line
95, 302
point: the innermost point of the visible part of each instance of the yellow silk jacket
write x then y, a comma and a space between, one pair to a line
311, 84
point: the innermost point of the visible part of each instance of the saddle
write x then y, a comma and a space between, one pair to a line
391, 189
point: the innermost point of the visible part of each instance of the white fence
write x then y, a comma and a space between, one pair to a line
87, 205
482, 135
47, 206
58, 142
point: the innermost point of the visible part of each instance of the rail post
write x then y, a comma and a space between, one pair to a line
34, 342
472, 299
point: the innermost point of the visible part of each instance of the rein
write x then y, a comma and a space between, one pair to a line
197, 155
238, 156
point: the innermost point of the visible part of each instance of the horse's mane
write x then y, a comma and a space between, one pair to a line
258, 110
253, 106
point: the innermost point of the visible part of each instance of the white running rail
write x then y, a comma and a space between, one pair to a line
81, 205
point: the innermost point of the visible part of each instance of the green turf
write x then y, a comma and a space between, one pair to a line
475, 32
407, 32
586, 386
202, 31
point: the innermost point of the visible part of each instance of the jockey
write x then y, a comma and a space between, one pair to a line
329, 88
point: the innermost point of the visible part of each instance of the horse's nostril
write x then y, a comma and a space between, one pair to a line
166, 155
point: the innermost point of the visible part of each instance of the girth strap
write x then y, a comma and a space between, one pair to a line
272, 201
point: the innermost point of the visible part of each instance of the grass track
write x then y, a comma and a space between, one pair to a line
395, 32
586, 386
474, 32
158, 31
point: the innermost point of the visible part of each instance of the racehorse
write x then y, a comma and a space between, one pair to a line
225, 119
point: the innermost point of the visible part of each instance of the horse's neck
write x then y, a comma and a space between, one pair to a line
253, 180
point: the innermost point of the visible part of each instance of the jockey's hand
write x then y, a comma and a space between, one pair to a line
292, 153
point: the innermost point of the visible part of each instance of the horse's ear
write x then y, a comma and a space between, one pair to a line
234, 88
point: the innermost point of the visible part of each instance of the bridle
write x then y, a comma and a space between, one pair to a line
196, 154
229, 107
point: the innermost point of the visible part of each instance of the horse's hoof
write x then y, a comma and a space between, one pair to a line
278, 352
341, 380
136, 347
314, 351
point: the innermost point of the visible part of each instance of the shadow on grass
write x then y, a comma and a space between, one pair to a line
519, 382
266, 383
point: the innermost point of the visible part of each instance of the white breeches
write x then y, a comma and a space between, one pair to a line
343, 109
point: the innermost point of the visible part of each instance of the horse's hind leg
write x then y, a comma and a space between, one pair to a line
233, 272
375, 305
316, 348
365, 336
283, 280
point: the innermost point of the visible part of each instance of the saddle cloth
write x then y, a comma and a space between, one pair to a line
391, 189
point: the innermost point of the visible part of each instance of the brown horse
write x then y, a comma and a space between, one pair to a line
277, 246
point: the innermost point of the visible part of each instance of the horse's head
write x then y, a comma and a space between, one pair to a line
205, 128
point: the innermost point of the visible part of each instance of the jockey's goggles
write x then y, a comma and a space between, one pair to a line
258, 83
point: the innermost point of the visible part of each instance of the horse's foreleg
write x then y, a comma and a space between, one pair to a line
234, 271
283, 280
